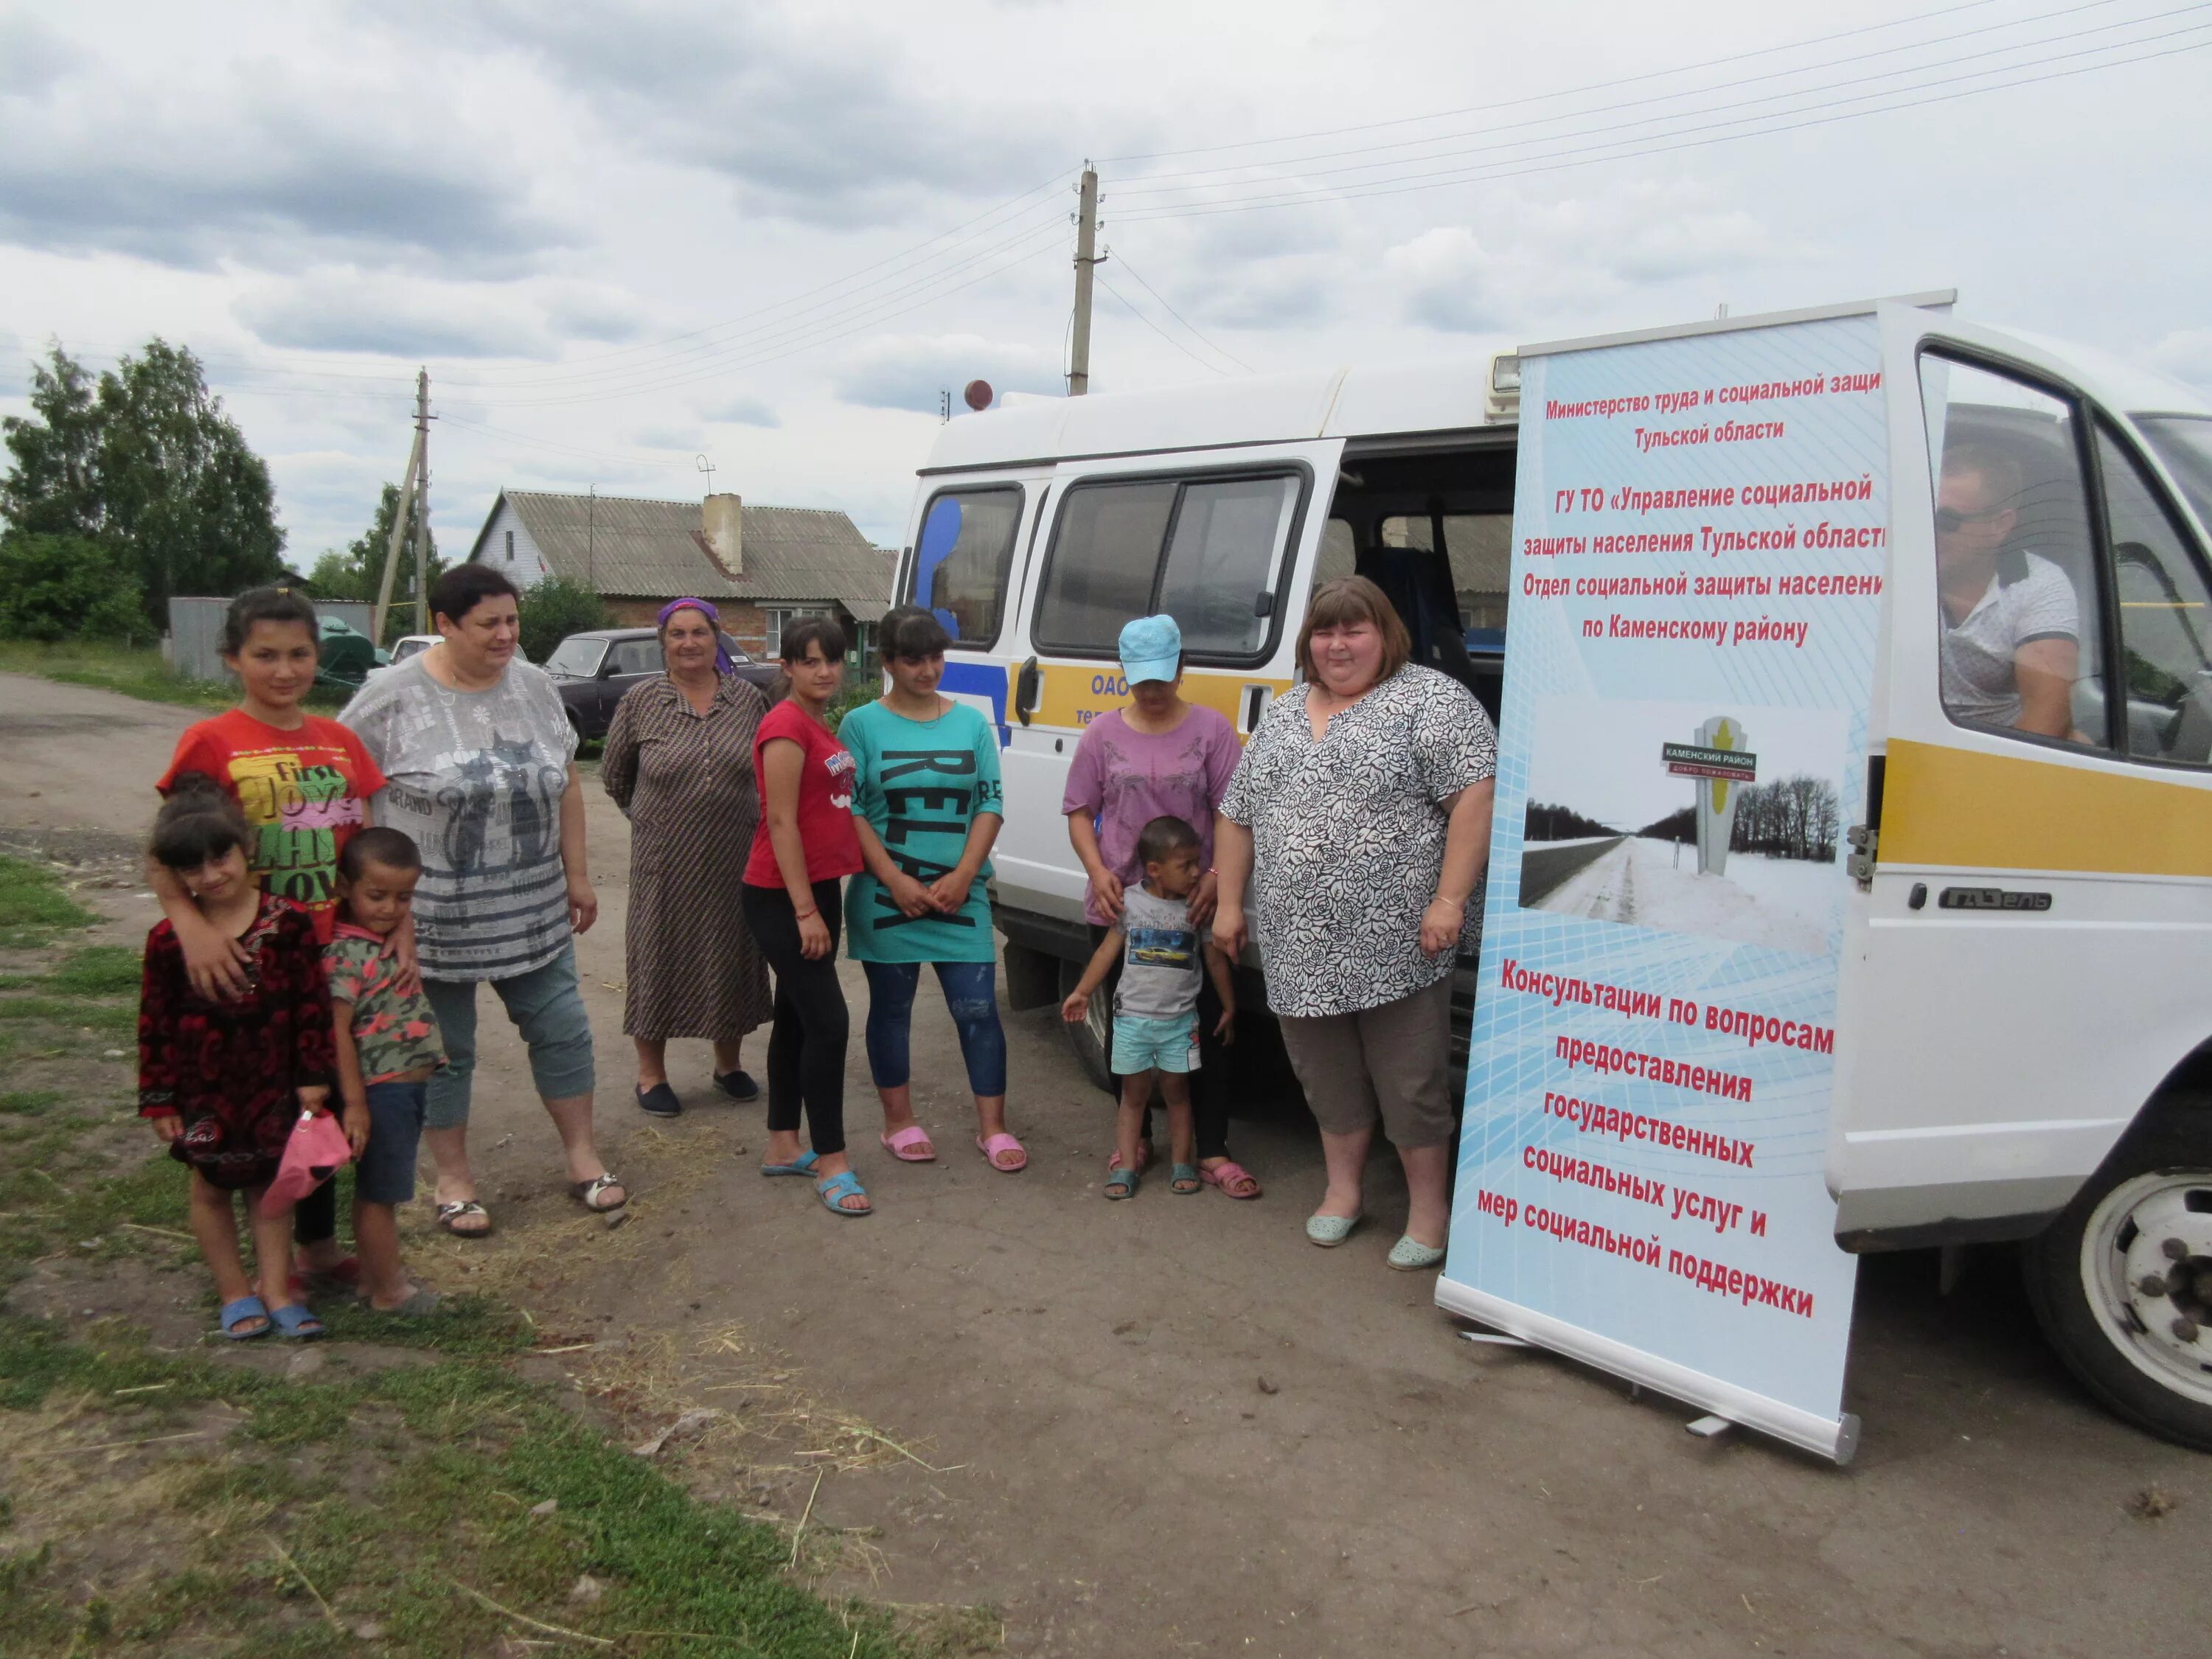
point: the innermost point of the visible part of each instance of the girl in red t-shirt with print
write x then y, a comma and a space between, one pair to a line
805, 845
303, 782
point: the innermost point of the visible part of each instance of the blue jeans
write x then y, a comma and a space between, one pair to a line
971, 995
547, 1009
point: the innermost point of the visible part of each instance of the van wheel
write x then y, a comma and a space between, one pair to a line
2122, 1281
1093, 1040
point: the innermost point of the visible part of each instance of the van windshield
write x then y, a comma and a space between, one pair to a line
2184, 442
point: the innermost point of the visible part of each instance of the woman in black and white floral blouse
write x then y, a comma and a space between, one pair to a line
1366, 795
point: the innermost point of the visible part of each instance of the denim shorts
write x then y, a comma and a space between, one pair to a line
386, 1171
1153, 1042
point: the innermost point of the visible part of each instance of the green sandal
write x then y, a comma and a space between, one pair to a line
1122, 1183
1185, 1173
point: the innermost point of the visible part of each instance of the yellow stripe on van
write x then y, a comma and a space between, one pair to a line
1969, 809
1075, 694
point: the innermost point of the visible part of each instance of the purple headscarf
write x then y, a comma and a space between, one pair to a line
722, 663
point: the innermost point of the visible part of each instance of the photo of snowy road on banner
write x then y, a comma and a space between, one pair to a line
1723, 823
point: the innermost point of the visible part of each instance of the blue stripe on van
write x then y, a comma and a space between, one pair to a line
980, 679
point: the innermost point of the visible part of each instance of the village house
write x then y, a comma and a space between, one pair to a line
761, 567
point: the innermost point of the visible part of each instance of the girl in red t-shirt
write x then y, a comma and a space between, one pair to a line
805, 845
303, 782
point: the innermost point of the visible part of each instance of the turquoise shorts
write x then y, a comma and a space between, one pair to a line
1155, 1042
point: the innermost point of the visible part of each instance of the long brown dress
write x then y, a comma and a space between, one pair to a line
685, 783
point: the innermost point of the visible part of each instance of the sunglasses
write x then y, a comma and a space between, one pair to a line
1950, 519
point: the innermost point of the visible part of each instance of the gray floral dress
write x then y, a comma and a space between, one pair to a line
1348, 839
685, 783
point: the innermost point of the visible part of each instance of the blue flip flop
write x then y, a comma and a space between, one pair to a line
235, 1313
802, 1165
296, 1321
841, 1185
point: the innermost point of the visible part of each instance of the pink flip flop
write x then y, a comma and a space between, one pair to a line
1002, 1143
1222, 1174
902, 1144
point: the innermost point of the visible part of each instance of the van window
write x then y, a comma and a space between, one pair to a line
1479, 546
962, 560
1221, 560
2017, 606
2164, 620
1103, 559
1202, 549
636, 657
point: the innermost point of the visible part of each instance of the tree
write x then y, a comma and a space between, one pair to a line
356, 571
147, 464
64, 587
554, 609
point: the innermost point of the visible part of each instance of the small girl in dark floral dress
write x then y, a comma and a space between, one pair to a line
224, 1081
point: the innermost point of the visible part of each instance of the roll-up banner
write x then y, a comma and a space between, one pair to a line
1699, 535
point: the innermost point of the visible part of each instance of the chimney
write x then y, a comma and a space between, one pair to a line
724, 531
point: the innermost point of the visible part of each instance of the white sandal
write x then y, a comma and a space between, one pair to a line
588, 1193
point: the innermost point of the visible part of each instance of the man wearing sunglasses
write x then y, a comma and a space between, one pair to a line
2011, 624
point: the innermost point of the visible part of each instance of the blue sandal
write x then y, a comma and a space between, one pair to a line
1179, 1174
296, 1321
1122, 1183
844, 1185
802, 1165
235, 1314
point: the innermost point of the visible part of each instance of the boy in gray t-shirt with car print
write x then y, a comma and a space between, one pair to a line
1162, 953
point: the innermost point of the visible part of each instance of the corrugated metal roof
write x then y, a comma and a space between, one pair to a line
629, 548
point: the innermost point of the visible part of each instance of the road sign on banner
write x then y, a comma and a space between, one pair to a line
1698, 532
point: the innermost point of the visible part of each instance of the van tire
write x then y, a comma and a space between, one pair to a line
1093, 1040
2146, 1213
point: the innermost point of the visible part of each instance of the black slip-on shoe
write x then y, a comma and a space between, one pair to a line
738, 1085
659, 1101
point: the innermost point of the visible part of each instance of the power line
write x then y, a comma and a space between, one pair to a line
1211, 368
1124, 260
1552, 164
1141, 185
1546, 97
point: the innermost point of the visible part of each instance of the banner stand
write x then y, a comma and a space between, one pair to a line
1834, 1438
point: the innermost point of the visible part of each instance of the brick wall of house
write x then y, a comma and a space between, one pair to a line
633, 613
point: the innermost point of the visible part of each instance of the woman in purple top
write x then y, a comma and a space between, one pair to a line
1159, 756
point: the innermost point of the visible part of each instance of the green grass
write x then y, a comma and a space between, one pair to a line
134, 671
32, 906
394, 1494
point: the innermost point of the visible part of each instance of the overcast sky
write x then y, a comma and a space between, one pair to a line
619, 236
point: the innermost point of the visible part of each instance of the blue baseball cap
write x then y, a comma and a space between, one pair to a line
1151, 649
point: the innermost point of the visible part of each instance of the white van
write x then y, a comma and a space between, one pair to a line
2038, 1070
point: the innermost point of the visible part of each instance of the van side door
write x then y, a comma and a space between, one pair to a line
2024, 963
1224, 541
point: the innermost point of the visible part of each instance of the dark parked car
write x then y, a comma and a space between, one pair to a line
593, 670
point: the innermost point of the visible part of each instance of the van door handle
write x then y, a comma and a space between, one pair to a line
1028, 689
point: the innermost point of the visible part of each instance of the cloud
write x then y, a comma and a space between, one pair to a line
350, 311
309, 163
32, 56
909, 372
1451, 282
1575, 251
2186, 355
585, 311
810, 121
688, 438
741, 411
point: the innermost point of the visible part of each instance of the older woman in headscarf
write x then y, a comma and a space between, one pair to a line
679, 762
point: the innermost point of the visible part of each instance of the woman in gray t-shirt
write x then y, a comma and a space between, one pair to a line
479, 763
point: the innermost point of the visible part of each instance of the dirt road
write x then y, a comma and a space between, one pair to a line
1180, 1429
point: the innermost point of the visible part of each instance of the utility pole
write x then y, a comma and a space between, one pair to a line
1087, 247
422, 502
417, 458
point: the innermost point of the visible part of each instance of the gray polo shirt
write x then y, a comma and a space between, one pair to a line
1980, 683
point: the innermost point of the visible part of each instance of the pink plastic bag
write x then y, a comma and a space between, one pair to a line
315, 1151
